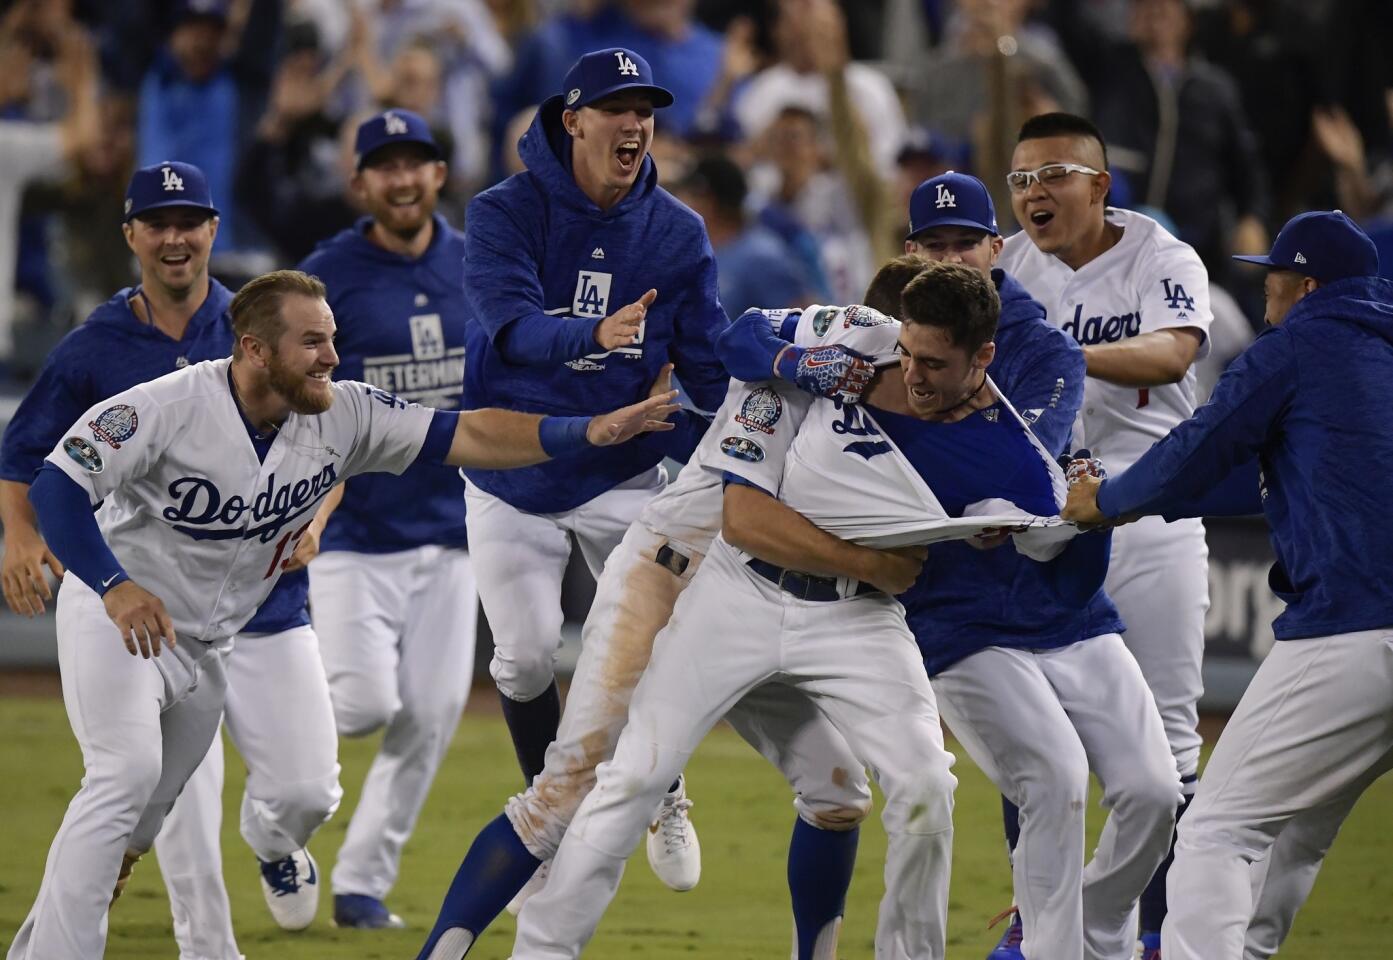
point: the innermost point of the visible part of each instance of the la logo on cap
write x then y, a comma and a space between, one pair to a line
172, 180
393, 124
945, 197
627, 68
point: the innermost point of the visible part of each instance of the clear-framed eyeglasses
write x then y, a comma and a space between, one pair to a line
1049, 175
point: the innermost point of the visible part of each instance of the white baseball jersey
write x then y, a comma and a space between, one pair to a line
827, 459
1148, 281
190, 511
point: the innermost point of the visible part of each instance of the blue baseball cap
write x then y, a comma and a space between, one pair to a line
200, 10
1323, 244
951, 200
600, 73
168, 184
392, 127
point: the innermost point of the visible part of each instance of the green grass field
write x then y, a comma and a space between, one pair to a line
739, 911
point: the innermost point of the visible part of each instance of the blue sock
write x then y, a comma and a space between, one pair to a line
496, 867
1153, 898
532, 726
819, 875
1011, 821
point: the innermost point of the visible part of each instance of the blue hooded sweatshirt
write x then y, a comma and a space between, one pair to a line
1309, 400
543, 265
968, 599
112, 351
401, 327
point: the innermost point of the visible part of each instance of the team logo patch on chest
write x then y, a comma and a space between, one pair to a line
115, 425
592, 294
761, 410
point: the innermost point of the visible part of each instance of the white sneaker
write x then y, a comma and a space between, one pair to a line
531, 888
291, 888
673, 850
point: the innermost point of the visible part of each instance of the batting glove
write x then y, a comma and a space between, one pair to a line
835, 372
1082, 464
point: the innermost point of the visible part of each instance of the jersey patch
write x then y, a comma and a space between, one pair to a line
592, 294
822, 321
742, 448
760, 411
84, 454
115, 425
859, 316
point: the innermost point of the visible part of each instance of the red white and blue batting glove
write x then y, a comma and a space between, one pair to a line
835, 372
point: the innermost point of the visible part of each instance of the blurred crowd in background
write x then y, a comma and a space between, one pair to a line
799, 130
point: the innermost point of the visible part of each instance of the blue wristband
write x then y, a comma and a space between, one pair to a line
787, 364
119, 578
562, 435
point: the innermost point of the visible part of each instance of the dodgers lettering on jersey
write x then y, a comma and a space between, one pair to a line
401, 326
189, 509
1147, 281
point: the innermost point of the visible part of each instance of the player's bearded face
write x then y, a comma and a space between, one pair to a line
611, 137
938, 376
302, 361
400, 187
172, 245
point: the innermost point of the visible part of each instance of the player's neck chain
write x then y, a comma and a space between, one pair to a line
965, 400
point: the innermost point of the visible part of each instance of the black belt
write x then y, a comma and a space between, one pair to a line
805, 586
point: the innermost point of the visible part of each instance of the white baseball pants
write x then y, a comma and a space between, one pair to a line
634, 600
1036, 722
396, 632
143, 726
731, 632
1159, 579
520, 559
280, 719
1316, 720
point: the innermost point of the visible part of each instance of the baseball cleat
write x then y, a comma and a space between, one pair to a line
1009, 947
361, 912
530, 889
291, 888
128, 862
673, 850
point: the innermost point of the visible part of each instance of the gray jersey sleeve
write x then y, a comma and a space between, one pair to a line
114, 443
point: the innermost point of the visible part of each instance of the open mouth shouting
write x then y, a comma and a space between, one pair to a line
628, 154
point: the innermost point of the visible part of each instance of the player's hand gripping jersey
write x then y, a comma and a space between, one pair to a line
834, 464
177, 477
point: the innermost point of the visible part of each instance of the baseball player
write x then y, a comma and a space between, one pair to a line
634, 597
985, 619
157, 458
392, 590
747, 622
177, 316
1317, 719
585, 278
1137, 300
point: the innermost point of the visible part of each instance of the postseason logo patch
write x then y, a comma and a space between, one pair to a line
761, 410
115, 425
859, 316
84, 454
742, 448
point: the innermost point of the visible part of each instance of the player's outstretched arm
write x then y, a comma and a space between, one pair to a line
493, 439
1150, 360
26, 554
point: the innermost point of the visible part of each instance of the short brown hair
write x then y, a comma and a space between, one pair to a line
256, 309
957, 298
889, 282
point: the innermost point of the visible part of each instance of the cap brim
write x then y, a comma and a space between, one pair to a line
163, 204
953, 222
431, 145
662, 97
1262, 260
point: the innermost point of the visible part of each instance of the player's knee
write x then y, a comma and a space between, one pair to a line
125, 784
1150, 791
840, 804
363, 709
920, 802
1056, 785
300, 808
837, 818
524, 675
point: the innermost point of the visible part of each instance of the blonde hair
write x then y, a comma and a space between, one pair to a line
256, 310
